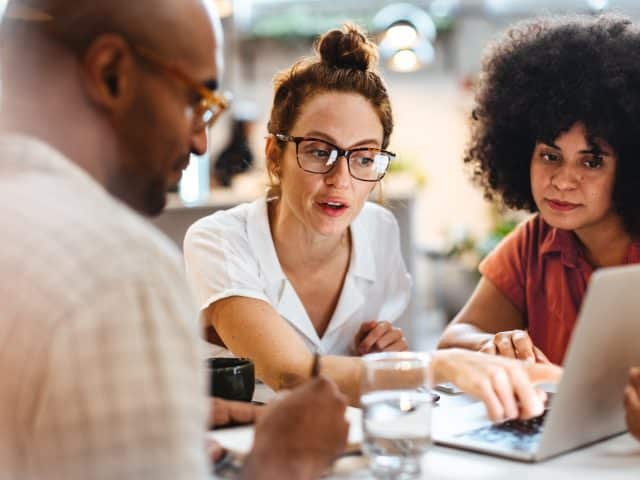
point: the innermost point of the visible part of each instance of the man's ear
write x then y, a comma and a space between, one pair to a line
109, 72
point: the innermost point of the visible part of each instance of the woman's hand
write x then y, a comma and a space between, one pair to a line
376, 336
632, 402
514, 344
507, 387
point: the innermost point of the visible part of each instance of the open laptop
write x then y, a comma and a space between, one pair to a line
588, 404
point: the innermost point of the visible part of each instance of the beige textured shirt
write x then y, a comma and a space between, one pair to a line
100, 376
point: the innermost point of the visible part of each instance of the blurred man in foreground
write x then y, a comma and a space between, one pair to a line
103, 102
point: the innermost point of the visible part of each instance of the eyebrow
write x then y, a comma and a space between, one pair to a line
330, 139
596, 150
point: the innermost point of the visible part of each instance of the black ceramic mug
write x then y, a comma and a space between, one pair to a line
231, 378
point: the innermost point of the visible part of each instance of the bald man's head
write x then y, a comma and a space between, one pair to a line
164, 25
128, 72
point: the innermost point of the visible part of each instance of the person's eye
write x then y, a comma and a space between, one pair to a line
320, 153
594, 162
549, 157
365, 161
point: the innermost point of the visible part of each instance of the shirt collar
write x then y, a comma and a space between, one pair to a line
361, 265
362, 261
261, 241
562, 242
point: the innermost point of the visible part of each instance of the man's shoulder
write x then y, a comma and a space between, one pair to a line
64, 234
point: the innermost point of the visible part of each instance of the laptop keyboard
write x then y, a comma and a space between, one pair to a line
518, 435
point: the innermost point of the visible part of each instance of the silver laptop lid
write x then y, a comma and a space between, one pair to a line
606, 341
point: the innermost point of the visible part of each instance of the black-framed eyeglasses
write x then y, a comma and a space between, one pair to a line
314, 155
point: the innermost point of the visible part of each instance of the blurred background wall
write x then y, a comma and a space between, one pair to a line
453, 226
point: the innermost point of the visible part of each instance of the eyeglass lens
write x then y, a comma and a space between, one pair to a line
319, 157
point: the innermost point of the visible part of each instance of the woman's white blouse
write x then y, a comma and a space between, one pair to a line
231, 253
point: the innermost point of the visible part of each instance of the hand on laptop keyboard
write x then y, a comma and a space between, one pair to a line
507, 387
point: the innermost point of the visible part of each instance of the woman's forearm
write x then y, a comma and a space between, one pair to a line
464, 335
344, 371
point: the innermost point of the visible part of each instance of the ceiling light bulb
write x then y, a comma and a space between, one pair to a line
401, 36
404, 61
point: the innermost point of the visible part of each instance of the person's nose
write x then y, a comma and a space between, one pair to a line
339, 176
566, 177
199, 141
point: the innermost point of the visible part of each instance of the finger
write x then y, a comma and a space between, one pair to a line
489, 348
544, 373
388, 338
504, 346
523, 346
227, 411
542, 396
632, 410
485, 392
504, 391
634, 377
373, 336
365, 328
215, 450
540, 357
244, 412
632, 399
530, 403
400, 346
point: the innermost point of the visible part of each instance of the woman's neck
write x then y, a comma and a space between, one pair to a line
605, 245
299, 248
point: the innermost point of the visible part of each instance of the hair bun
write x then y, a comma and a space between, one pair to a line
347, 48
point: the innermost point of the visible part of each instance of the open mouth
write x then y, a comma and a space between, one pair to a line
333, 207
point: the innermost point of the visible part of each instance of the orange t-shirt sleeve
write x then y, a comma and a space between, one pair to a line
505, 266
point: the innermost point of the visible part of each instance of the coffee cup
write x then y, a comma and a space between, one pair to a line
231, 378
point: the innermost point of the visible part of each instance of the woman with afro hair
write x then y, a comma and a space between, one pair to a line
556, 131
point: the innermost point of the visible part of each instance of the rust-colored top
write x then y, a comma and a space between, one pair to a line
543, 272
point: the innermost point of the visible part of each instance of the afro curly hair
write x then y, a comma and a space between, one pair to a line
541, 78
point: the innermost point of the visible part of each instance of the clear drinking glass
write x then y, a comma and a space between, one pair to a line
396, 413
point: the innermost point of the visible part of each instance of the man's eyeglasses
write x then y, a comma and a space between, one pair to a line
210, 104
319, 156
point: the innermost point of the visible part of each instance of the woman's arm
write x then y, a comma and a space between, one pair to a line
252, 328
490, 323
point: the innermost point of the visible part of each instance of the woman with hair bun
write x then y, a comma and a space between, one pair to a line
314, 267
